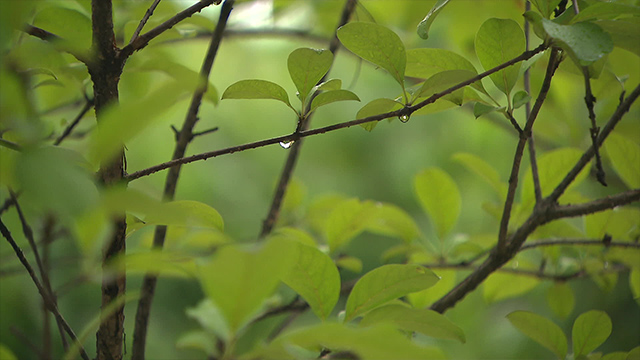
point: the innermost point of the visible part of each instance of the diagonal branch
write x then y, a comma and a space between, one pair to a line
53, 38
67, 131
144, 20
142, 40
296, 136
183, 137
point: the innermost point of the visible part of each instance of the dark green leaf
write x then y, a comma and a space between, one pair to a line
590, 330
386, 283
306, 67
498, 41
377, 107
424, 321
480, 109
377, 44
332, 96
542, 330
439, 197
520, 98
256, 89
425, 24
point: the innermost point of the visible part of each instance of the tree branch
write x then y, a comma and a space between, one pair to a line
144, 20
43, 293
578, 242
590, 100
294, 151
87, 106
183, 138
142, 40
524, 135
591, 207
297, 136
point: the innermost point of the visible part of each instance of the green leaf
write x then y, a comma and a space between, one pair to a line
590, 330
483, 169
424, 298
425, 24
606, 11
333, 84
210, 318
371, 343
634, 354
122, 122
500, 286
624, 34
6, 353
520, 98
72, 27
546, 6
625, 158
238, 279
377, 44
348, 220
561, 299
444, 80
156, 262
315, 277
377, 107
198, 340
306, 67
350, 263
393, 221
541, 330
634, 284
618, 355
386, 283
480, 109
332, 96
424, 321
498, 41
619, 223
185, 213
439, 197
256, 89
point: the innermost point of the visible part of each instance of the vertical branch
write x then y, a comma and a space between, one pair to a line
590, 100
526, 133
527, 108
303, 124
183, 137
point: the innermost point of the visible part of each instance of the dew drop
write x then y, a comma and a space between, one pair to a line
286, 144
404, 118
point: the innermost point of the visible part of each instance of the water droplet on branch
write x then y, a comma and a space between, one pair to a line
286, 144
403, 118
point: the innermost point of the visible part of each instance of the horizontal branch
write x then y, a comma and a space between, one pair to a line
407, 111
594, 206
142, 40
579, 242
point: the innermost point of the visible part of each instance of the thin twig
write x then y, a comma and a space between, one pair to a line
296, 136
590, 100
594, 206
142, 40
578, 242
144, 20
184, 137
10, 145
87, 106
51, 37
303, 124
527, 108
515, 169
43, 293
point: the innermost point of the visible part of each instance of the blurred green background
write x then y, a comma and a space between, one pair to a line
379, 165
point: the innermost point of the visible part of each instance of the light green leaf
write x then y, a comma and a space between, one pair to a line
210, 318
634, 354
605, 10
315, 277
424, 298
561, 299
293, 234
350, 263
348, 220
590, 330
500, 286
618, 355
546, 6
332, 96
619, 223
185, 213
624, 34
541, 330
386, 283
156, 262
333, 84
393, 221
377, 44
306, 67
376, 342
625, 158
318, 212
424, 321
122, 122
425, 24
377, 107
483, 169
442, 81
6, 353
198, 340
256, 89
498, 41
72, 27
520, 98
238, 279
439, 197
